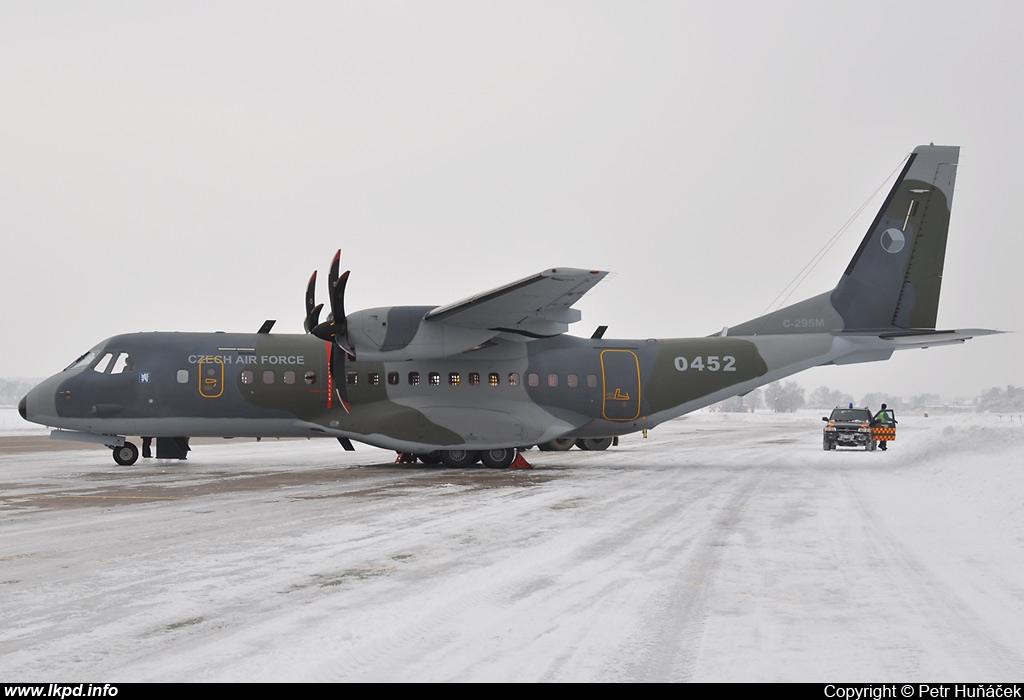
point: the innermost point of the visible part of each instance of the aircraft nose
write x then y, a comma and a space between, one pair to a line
21, 408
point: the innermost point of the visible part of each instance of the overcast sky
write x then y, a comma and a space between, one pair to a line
186, 165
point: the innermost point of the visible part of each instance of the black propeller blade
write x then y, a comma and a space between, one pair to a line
335, 329
312, 308
336, 326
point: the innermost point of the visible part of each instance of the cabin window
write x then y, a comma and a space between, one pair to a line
493, 379
352, 378
392, 378
572, 380
532, 379
374, 378
435, 378
414, 378
513, 379
552, 380
289, 377
454, 378
247, 376
309, 378
182, 376
474, 378
268, 376
592, 381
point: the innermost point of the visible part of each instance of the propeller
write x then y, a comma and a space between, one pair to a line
312, 308
335, 329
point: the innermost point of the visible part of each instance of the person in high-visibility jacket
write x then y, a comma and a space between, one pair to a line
884, 417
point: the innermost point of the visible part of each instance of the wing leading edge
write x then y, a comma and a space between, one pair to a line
538, 306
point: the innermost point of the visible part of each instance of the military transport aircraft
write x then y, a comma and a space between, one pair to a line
485, 376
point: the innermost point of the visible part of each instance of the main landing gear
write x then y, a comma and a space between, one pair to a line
498, 458
563, 444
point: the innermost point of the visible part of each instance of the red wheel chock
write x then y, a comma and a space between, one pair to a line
520, 462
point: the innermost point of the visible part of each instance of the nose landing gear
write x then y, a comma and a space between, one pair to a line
126, 455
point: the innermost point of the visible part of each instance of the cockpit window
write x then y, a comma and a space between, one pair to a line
103, 363
83, 360
123, 363
114, 363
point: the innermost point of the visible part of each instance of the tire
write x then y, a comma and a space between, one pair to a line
558, 445
825, 446
456, 459
126, 455
595, 444
429, 457
499, 458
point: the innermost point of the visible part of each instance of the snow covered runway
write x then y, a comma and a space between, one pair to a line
724, 547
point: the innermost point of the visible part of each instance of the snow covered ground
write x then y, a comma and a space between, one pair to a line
13, 424
723, 547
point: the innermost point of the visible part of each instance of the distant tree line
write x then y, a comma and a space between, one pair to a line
747, 403
996, 400
788, 396
780, 397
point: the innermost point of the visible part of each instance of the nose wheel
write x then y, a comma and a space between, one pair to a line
126, 455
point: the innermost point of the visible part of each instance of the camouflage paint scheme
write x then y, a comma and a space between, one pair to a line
194, 383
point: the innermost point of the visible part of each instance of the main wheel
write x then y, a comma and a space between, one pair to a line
499, 458
459, 458
596, 444
429, 457
126, 455
559, 445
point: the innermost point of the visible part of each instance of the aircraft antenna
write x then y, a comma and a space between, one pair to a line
795, 283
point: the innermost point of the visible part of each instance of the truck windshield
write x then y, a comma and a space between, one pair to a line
850, 414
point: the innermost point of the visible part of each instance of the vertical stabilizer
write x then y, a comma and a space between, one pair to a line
896, 273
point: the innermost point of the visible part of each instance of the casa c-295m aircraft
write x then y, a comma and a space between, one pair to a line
482, 377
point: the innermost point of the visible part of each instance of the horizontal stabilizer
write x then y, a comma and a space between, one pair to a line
931, 339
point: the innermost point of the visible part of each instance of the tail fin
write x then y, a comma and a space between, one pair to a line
893, 281
896, 273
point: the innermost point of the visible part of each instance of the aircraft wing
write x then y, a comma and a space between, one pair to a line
538, 306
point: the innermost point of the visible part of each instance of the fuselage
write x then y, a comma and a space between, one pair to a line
507, 394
